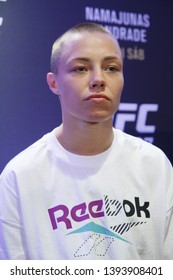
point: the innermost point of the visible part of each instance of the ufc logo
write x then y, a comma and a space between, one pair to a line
133, 112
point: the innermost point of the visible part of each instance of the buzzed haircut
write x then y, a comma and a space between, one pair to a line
59, 45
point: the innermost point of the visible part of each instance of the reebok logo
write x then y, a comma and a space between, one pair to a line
95, 209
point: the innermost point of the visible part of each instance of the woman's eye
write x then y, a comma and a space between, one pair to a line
79, 69
111, 68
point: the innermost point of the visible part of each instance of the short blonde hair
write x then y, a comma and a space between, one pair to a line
59, 45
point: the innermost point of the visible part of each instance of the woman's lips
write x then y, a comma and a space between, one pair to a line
97, 97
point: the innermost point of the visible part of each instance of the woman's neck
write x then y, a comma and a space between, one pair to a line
90, 139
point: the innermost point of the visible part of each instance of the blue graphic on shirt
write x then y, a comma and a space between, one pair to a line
97, 229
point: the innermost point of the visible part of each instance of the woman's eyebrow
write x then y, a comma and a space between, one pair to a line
111, 58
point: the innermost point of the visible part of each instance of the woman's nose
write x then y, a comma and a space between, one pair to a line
97, 82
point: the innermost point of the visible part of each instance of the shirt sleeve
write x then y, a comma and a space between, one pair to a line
12, 243
168, 244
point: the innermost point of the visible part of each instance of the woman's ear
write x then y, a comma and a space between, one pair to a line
52, 83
